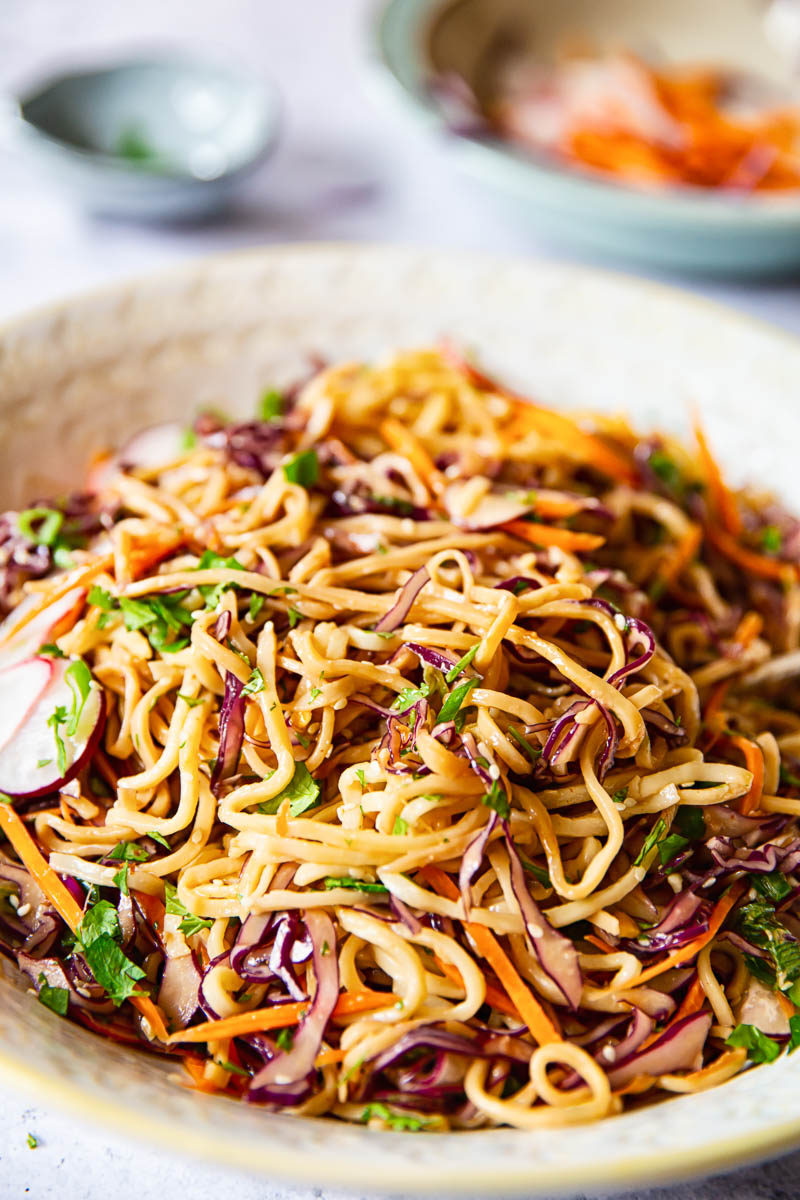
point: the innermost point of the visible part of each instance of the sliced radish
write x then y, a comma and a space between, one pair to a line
155, 447
29, 759
44, 628
20, 688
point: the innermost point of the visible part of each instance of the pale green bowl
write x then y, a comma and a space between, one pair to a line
686, 230
156, 139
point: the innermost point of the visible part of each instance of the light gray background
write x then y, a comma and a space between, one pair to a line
347, 167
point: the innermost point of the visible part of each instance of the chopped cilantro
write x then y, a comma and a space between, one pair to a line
357, 885
191, 701
211, 592
462, 664
362, 779
120, 878
771, 539
58, 718
408, 697
303, 793
400, 826
190, 923
534, 753
620, 796
690, 822
398, 1121
128, 852
652, 839
100, 598
270, 406
294, 615
32, 1141
112, 969
285, 1039
773, 886
302, 468
159, 837
670, 847
497, 799
54, 998
160, 618
188, 439
234, 1070
255, 606
48, 522
254, 684
758, 923
315, 691
794, 1032
452, 705
51, 650
79, 678
759, 1047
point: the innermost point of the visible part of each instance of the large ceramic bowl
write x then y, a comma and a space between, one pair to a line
90, 371
689, 229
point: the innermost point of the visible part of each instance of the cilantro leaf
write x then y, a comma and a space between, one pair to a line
54, 998
408, 697
211, 592
270, 406
670, 847
303, 792
400, 826
302, 468
357, 885
773, 886
159, 837
497, 799
51, 650
254, 684
101, 918
255, 606
285, 1039
794, 1033
401, 1122
79, 678
759, 1047
100, 598
190, 924
534, 753
690, 822
652, 839
112, 969
462, 664
771, 539
55, 720
128, 852
759, 923
120, 878
453, 702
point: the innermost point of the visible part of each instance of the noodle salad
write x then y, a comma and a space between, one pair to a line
412, 754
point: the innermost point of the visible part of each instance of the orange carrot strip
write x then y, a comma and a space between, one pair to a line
152, 907
529, 1008
712, 714
326, 1057
403, 441
63, 901
599, 943
748, 628
151, 1014
722, 500
69, 581
692, 1002
494, 996
758, 564
754, 759
551, 535
31, 857
683, 553
196, 1067
585, 446
678, 957
544, 421
261, 1019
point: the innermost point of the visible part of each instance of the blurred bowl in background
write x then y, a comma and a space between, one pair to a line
686, 229
154, 139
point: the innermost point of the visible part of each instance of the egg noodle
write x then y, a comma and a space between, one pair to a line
435, 776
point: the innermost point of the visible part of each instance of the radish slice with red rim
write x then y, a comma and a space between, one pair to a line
21, 686
59, 731
42, 630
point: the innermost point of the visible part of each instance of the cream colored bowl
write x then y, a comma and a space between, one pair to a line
217, 333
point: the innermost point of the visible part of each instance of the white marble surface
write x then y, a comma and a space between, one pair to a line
346, 168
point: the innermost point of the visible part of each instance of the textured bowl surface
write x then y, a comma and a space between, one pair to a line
74, 378
691, 229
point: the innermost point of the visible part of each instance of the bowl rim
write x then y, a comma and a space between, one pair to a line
717, 1153
44, 80
398, 36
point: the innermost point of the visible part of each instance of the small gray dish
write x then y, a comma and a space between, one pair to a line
158, 139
